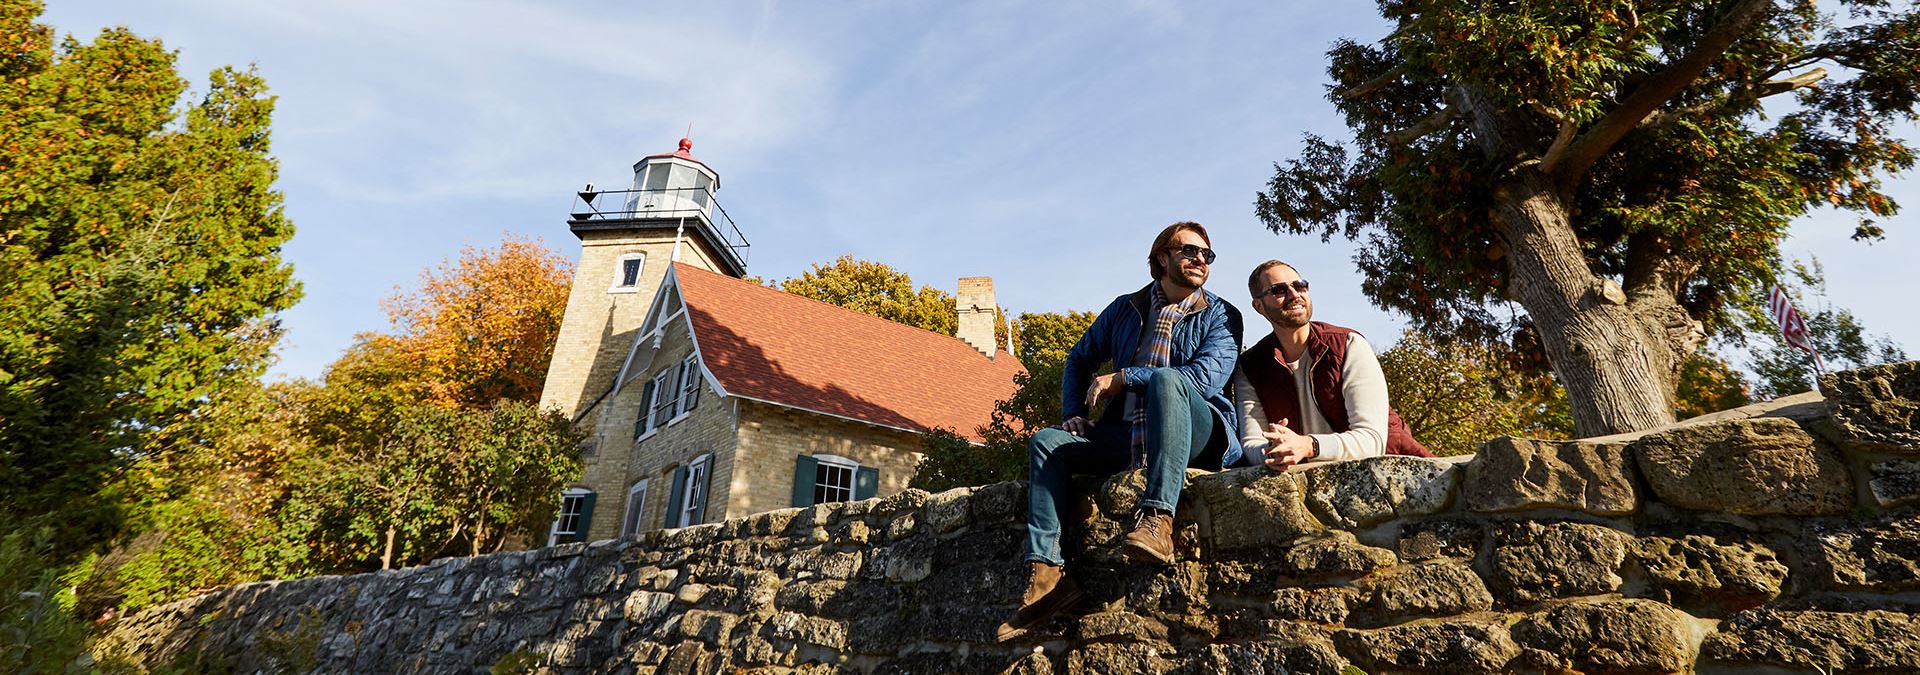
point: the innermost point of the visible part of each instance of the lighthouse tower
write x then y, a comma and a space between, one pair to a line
628, 238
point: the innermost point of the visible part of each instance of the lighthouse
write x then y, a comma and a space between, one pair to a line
628, 238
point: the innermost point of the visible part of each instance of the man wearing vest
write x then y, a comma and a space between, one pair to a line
1172, 346
1311, 391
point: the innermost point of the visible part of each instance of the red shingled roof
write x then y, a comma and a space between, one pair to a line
766, 344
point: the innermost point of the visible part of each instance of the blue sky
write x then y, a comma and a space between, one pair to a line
1042, 144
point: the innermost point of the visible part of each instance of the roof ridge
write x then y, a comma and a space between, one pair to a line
863, 315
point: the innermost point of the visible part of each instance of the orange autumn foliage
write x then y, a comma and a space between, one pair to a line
482, 327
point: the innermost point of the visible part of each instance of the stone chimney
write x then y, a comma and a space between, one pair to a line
976, 307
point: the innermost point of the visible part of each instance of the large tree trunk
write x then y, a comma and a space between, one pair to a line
1616, 357
1618, 374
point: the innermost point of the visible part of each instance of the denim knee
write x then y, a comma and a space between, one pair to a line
1166, 382
1046, 440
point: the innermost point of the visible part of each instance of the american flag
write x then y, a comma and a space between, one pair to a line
1792, 327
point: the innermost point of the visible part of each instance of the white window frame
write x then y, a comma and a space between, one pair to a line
661, 384
646, 412
694, 488
635, 508
853, 476
619, 273
690, 378
554, 532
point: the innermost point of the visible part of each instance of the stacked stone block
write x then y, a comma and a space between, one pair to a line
1755, 541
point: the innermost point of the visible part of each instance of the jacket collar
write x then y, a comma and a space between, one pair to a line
1142, 300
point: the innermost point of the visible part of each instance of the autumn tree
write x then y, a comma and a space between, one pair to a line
140, 237
1842, 340
483, 326
948, 460
1456, 394
877, 289
1609, 167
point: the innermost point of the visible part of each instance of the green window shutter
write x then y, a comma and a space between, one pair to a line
706, 494
646, 410
866, 481
586, 517
804, 470
673, 497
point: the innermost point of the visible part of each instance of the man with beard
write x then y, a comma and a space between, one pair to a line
1311, 391
1172, 345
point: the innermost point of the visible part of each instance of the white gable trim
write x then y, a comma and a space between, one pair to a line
669, 285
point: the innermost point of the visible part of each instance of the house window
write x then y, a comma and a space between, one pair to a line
643, 422
820, 479
696, 492
627, 275
636, 504
664, 399
833, 480
689, 384
689, 503
576, 512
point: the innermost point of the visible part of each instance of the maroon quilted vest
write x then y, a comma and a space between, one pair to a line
1266, 366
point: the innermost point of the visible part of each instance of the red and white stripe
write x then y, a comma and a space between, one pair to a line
1792, 327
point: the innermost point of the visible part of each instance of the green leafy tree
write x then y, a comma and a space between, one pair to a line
440, 480
1843, 342
141, 243
949, 461
204, 516
1454, 395
878, 290
1607, 166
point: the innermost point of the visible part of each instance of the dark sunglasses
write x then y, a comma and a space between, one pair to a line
1190, 251
1299, 287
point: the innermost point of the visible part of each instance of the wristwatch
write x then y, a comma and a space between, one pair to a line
1316, 447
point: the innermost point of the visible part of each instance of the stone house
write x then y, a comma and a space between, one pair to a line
707, 396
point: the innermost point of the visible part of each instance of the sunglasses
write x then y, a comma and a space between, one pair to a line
1298, 286
1192, 252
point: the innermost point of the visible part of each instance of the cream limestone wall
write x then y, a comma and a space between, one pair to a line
620, 461
599, 323
771, 437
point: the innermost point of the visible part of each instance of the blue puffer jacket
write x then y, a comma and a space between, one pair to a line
1205, 344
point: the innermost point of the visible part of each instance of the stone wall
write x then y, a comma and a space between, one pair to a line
1779, 538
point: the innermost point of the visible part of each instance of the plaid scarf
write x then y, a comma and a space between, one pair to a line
1156, 351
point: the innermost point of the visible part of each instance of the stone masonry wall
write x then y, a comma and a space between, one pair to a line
1779, 538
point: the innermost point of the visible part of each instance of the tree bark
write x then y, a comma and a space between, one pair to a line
1618, 373
386, 552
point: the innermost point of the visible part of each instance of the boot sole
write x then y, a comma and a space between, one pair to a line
1141, 555
1051, 606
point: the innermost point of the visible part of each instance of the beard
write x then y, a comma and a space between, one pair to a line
1281, 316
1190, 278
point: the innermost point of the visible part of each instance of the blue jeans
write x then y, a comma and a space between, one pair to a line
1182, 431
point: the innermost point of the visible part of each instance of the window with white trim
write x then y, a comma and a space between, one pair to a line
643, 421
664, 397
576, 509
626, 274
636, 505
833, 479
689, 384
695, 495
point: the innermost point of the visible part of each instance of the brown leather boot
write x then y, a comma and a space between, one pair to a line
1049, 590
1151, 540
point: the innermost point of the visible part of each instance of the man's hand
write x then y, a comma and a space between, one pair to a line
1103, 387
1285, 448
1077, 425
